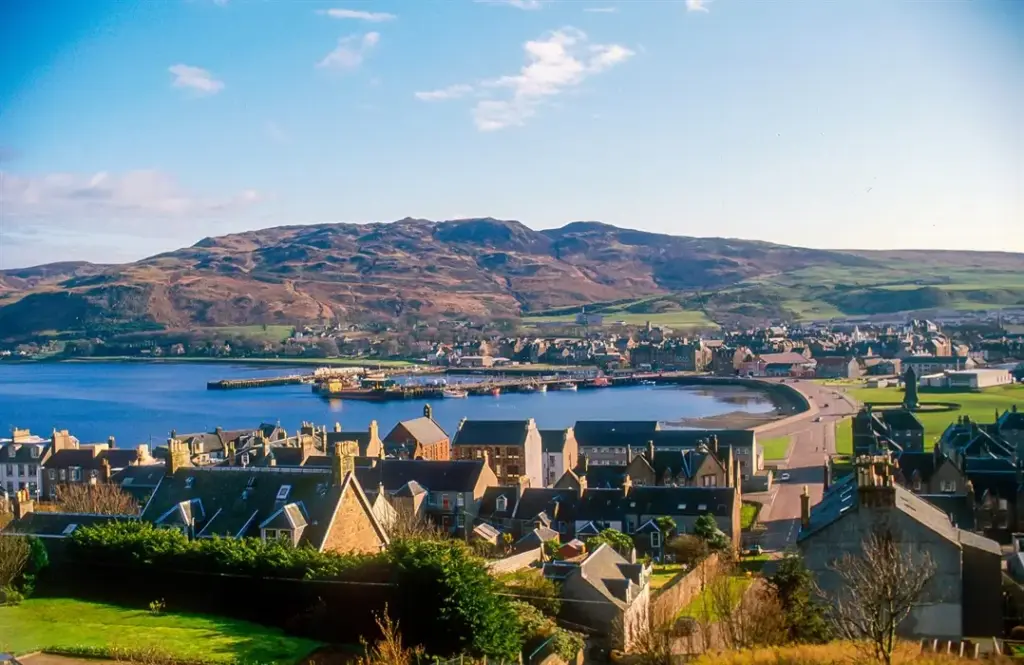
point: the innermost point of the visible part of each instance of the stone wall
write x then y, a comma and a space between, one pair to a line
515, 562
677, 595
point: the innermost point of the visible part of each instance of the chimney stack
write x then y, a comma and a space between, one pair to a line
805, 508
714, 444
374, 431
627, 485
177, 457
428, 412
105, 470
650, 452
337, 427
828, 474
23, 505
111, 442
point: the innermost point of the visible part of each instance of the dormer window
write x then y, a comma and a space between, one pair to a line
69, 529
681, 506
282, 493
35, 452
501, 505
702, 507
189, 482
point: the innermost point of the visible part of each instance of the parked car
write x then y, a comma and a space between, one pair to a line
755, 550
784, 477
818, 419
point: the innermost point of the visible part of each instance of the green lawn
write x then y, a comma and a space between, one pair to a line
775, 448
62, 623
264, 333
980, 406
844, 437
703, 606
675, 319
748, 513
664, 573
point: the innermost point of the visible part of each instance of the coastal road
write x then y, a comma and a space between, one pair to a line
812, 443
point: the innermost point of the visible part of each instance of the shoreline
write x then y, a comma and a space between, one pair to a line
273, 362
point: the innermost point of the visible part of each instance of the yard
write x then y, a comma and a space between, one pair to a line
64, 624
980, 406
664, 573
748, 513
703, 606
844, 437
775, 448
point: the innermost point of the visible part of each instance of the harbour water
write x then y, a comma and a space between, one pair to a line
142, 402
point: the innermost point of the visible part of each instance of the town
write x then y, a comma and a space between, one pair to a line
636, 534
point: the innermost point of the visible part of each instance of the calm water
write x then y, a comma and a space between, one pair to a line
139, 402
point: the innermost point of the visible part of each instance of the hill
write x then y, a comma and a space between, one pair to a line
486, 269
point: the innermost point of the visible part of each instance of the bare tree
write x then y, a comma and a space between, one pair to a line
746, 616
406, 523
98, 499
879, 589
389, 649
14, 552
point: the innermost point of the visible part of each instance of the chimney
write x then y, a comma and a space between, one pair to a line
828, 474
343, 461
627, 485
104, 470
230, 453
176, 456
374, 432
428, 412
337, 427
23, 505
487, 458
650, 452
805, 508
111, 442
583, 486
714, 444
629, 455
462, 422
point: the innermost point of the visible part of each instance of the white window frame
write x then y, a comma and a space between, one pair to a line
655, 539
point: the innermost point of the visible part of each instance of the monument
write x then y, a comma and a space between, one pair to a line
910, 400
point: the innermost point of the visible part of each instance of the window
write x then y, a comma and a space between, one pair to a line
948, 485
917, 484
460, 500
444, 502
501, 504
497, 470
702, 507
1002, 504
31, 469
21, 469
655, 539
282, 493
188, 482
681, 506
709, 480
10, 469
460, 520
35, 452
33, 489
63, 474
76, 474
513, 469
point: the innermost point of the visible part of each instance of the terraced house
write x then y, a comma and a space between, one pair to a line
419, 438
512, 448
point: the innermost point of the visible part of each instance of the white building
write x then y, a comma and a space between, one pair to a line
21, 463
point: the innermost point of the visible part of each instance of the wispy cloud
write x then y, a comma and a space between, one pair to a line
697, 5
451, 92
195, 78
276, 133
601, 10
372, 17
350, 51
518, 4
559, 61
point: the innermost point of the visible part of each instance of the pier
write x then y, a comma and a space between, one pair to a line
233, 384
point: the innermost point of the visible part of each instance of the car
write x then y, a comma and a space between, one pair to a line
818, 419
827, 405
784, 477
755, 550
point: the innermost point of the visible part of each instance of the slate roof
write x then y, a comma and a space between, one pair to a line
234, 502
361, 438
22, 453
1012, 420
609, 573
492, 433
605, 476
434, 476
956, 506
676, 438
423, 429
553, 440
595, 432
409, 490
55, 525
536, 538
900, 419
679, 500
786, 358
920, 463
557, 504
489, 502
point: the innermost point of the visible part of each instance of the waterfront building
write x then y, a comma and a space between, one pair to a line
419, 438
512, 448
561, 452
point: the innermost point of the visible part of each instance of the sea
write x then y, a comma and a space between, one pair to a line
140, 402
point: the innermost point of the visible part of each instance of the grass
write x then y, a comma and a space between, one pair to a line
664, 573
980, 406
748, 513
775, 448
262, 333
673, 319
63, 623
702, 605
844, 437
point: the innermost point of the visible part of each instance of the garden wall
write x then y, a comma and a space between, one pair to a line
679, 593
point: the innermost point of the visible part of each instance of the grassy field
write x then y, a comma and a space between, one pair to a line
844, 437
664, 573
703, 607
775, 448
61, 623
981, 406
677, 319
263, 333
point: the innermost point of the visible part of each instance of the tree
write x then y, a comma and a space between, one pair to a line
468, 614
327, 347
406, 523
666, 525
551, 548
707, 530
879, 589
617, 540
389, 649
98, 499
687, 549
806, 619
746, 616
532, 587
14, 555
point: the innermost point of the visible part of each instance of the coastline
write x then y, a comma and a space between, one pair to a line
272, 362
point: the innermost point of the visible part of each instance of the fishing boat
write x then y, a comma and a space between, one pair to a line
601, 382
567, 386
454, 393
648, 382
529, 388
495, 391
542, 388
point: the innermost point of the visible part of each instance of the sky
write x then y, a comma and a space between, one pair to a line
128, 128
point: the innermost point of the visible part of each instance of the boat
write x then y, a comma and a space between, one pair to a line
601, 382
529, 388
453, 393
648, 382
568, 386
495, 391
543, 388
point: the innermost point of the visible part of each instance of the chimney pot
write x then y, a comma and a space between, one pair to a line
337, 427
805, 508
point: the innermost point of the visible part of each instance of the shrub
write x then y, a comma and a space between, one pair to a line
9, 595
567, 644
617, 540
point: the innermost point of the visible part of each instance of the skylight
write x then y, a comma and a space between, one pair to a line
189, 482
282, 493
681, 506
68, 529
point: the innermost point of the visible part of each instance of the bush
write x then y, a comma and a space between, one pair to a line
9, 595
617, 540
566, 644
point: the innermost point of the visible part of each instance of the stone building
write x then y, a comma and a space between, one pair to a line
512, 448
419, 438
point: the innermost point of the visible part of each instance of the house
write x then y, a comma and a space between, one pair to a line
707, 465
895, 430
21, 462
965, 595
923, 365
419, 438
838, 367
211, 447
90, 463
49, 524
512, 448
476, 361
327, 511
449, 493
607, 593
560, 452
1010, 428
369, 442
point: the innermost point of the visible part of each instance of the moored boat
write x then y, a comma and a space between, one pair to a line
453, 393
495, 391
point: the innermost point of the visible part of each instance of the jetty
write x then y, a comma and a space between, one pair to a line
233, 384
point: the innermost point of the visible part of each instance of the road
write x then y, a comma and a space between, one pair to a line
812, 443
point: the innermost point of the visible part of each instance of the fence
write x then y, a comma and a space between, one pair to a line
515, 562
679, 593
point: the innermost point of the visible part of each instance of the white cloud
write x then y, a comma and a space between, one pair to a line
350, 51
697, 5
195, 78
372, 17
556, 63
85, 196
518, 4
601, 10
451, 92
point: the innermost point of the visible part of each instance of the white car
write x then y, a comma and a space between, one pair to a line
784, 477
818, 419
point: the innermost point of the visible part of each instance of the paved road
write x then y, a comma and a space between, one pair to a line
812, 443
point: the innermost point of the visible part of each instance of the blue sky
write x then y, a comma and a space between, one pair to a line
129, 128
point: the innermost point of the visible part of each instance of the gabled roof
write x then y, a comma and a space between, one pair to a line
557, 504
55, 525
553, 440
409, 490
423, 429
609, 573
23, 453
1011, 419
594, 432
289, 516
918, 465
492, 433
786, 358
489, 502
680, 500
434, 476
900, 419
536, 537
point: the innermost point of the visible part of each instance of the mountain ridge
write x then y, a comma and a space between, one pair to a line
481, 268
